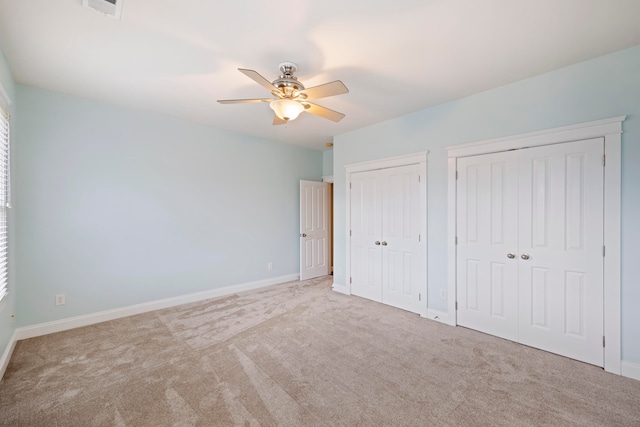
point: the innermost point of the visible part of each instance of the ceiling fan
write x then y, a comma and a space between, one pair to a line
291, 97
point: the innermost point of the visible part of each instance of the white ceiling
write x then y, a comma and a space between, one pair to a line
177, 57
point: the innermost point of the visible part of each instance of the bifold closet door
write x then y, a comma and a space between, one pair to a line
366, 226
388, 256
561, 230
403, 251
487, 232
530, 247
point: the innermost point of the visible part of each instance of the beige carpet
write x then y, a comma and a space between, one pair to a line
299, 354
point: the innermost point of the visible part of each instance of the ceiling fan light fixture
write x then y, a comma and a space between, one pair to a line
286, 109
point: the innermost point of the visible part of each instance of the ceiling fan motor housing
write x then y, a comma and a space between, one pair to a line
287, 82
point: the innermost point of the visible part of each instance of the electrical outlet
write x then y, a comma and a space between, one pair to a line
60, 299
269, 266
443, 293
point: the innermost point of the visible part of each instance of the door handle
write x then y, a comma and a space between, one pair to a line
384, 243
303, 235
524, 256
377, 243
511, 255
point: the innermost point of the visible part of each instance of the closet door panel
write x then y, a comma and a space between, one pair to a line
561, 239
366, 226
403, 252
487, 232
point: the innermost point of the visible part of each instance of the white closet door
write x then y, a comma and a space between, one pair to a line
561, 235
530, 241
487, 230
403, 251
366, 225
314, 229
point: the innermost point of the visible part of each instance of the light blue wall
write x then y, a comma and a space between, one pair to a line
601, 88
119, 207
8, 305
327, 163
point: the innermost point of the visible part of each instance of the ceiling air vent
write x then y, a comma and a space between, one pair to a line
108, 7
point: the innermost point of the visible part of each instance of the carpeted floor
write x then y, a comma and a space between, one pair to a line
299, 354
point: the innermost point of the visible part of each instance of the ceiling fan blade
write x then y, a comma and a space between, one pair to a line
243, 101
278, 121
324, 90
253, 75
323, 112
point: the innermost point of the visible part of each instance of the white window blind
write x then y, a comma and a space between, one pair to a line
5, 202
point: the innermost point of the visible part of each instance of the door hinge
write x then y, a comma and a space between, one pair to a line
419, 297
350, 279
349, 186
456, 240
603, 251
456, 305
456, 175
603, 342
418, 178
419, 238
350, 233
604, 160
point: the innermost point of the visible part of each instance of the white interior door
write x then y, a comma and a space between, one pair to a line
388, 251
561, 237
403, 249
314, 229
487, 263
530, 238
366, 230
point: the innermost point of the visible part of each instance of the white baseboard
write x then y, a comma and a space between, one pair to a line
103, 316
8, 351
630, 370
343, 289
439, 316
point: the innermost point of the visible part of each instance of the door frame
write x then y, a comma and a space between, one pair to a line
609, 129
419, 158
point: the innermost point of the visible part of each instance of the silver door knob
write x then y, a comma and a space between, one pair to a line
524, 256
303, 235
511, 255
384, 243
377, 243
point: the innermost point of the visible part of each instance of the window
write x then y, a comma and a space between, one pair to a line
5, 202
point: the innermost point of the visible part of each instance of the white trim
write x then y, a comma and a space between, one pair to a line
389, 162
630, 370
342, 289
575, 132
610, 130
439, 316
103, 316
8, 351
451, 240
419, 158
327, 178
612, 241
